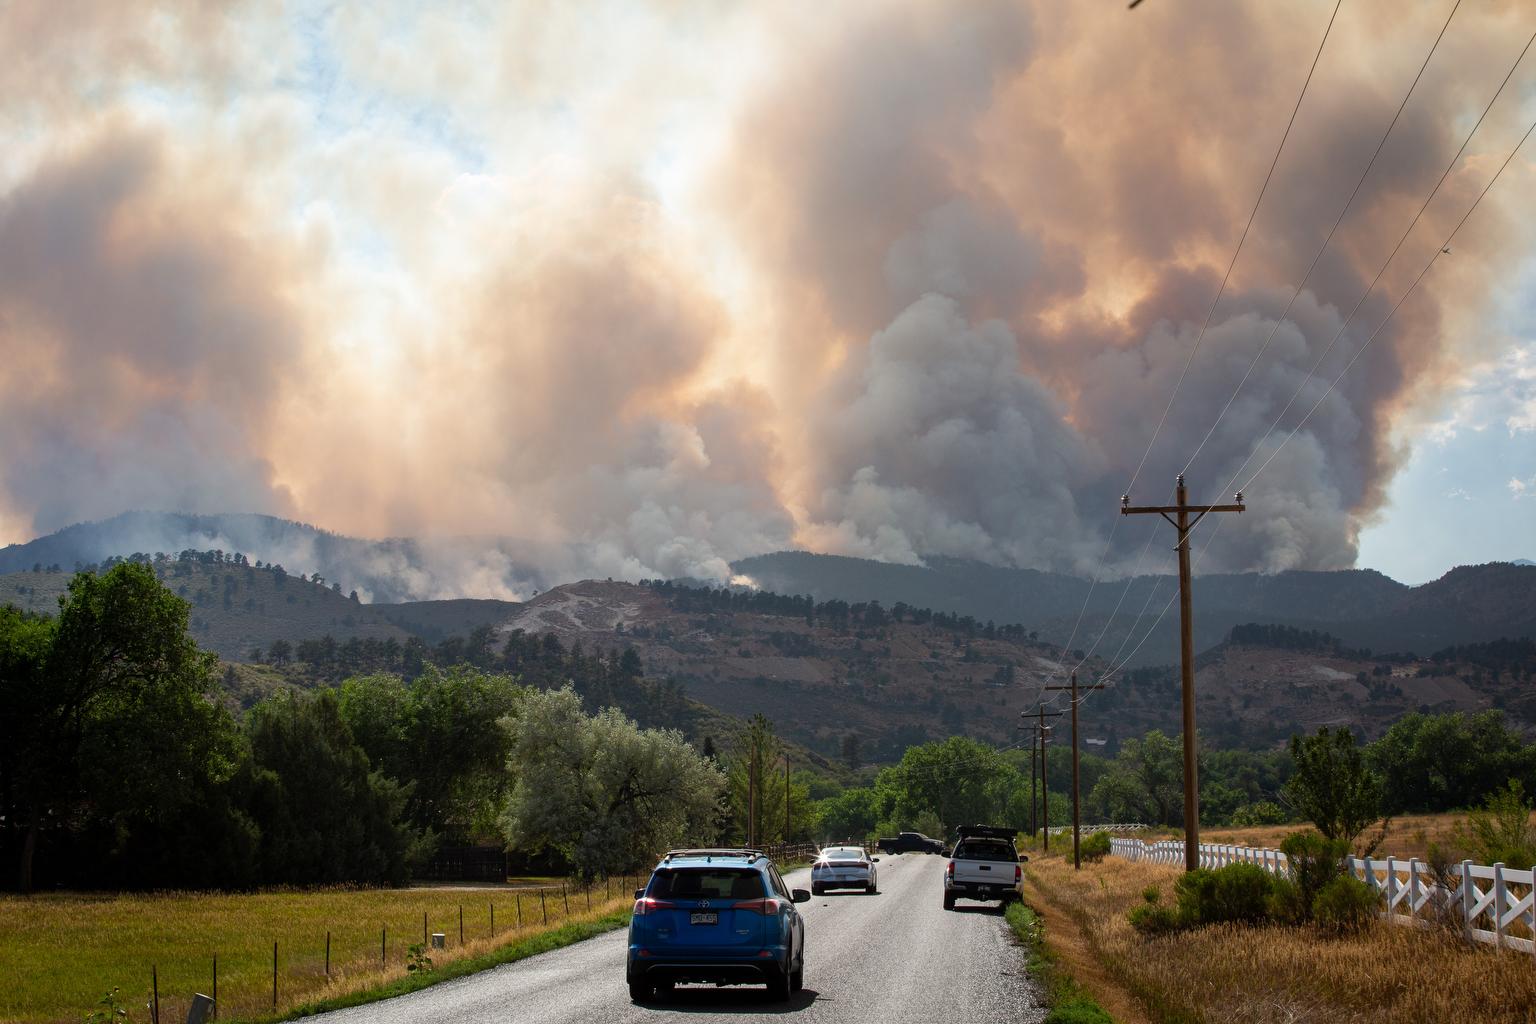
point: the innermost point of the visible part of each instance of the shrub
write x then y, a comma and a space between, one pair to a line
1096, 847
1345, 905
1151, 920
1151, 894
1265, 812
1077, 1010
1315, 861
1237, 892
1500, 831
1285, 904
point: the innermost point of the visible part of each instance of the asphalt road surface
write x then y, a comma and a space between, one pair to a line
897, 956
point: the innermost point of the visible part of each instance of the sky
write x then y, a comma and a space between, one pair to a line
650, 287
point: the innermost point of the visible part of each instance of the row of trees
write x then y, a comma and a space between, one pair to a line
870, 614
1424, 764
122, 767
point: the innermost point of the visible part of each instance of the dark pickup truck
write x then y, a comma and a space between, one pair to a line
910, 842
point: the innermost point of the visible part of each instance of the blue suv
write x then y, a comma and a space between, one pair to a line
718, 916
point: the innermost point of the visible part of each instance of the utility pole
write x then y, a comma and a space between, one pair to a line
1042, 730
752, 798
1077, 818
786, 798
1032, 786
1178, 514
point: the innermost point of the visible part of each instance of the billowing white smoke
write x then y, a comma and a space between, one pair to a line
652, 295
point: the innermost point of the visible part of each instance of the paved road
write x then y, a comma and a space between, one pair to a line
894, 957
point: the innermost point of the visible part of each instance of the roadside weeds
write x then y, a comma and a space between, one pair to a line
1278, 974
565, 935
1067, 1001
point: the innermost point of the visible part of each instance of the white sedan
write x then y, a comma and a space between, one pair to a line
843, 867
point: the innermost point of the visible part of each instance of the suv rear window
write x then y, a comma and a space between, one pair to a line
986, 849
706, 884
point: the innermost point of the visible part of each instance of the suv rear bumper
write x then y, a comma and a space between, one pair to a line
743, 970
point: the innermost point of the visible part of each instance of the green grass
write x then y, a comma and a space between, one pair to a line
63, 951
543, 942
1068, 1003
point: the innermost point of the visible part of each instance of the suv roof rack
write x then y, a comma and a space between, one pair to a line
717, 851
986, 832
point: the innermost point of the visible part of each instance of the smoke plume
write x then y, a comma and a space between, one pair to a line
657, 287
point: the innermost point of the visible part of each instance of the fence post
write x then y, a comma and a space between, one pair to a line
1413, 887
565, 894
1468, 900
215, 985
274, 976
1500, 895
384, 946
1391, 884
327, 955
154, 993
493, 919
542, 908
461, 924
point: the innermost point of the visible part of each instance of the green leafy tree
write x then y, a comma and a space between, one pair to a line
1431, 763
107, 713
601, 791
957, 781
325, 814
757, 737
441, 733
1331, 785
1145, 782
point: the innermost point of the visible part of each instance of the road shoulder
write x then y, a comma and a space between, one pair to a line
1069, 951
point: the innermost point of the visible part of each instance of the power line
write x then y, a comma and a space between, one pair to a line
1241, 239
1268, 176
1441, 251
1343, 327
1323, 248
1117, 665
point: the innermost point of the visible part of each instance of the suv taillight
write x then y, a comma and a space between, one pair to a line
768, 907
646, 905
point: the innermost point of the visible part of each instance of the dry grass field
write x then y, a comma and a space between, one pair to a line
62, 952
1267, 974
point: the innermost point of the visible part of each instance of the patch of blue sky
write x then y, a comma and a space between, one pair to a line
1467, 493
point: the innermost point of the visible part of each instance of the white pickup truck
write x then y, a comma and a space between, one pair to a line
985, 865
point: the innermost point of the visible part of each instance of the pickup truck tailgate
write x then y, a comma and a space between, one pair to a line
984, 871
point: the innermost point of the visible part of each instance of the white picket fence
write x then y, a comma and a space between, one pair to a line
1492, 904
1088, 830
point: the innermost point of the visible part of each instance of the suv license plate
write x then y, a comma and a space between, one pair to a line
708, 918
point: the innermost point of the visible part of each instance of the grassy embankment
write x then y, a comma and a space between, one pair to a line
1269, 973
62, 952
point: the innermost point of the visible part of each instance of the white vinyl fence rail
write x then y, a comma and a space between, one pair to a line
1491, 904
1088, 830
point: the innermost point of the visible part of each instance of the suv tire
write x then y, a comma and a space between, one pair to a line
797, 979
778, 987
641, 991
